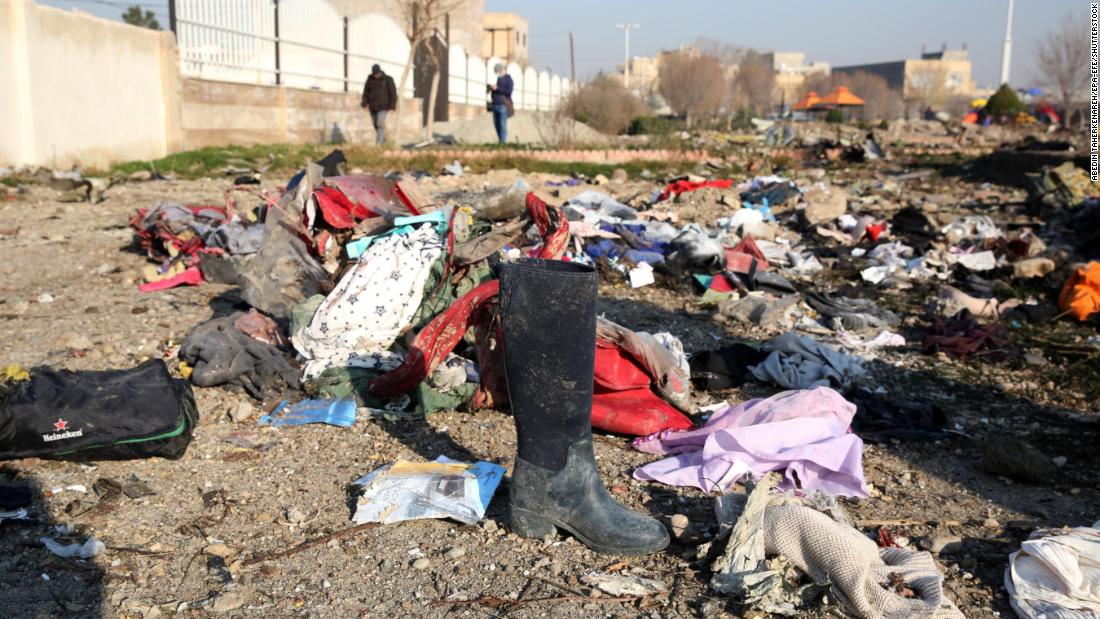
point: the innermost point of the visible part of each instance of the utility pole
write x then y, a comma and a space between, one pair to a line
1006, 52
572, 60
626, 65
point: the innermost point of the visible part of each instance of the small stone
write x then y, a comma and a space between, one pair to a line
295, 516
241, 411
231, 600
679, 525
269, 569
79, 342
1032, 267
421, 564
1013, 458
490, 526
1075, 491
991, 523
949, 544
45, 297
453, 553
1059, 461
218, 550
619, 175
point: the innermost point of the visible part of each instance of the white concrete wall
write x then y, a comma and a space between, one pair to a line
79, 89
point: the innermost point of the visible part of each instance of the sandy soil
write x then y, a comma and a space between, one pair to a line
291, 485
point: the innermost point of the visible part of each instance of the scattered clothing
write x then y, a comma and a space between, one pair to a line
775, 535
1080, 295
802, 433
963, 337
844, 313
798, 362
376, 299
1056, 574
724, 368
880, 419
220, 354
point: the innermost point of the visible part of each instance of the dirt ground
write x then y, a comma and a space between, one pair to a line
69, 298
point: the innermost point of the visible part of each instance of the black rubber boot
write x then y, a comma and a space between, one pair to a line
548, 310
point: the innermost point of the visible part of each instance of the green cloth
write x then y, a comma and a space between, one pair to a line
429, 400
302, 314
341, 382
438, 298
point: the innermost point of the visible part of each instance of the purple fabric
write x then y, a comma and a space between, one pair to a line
803, 433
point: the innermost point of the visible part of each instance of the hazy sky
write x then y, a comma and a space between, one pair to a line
840, 32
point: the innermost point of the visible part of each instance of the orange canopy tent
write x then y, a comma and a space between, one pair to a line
808, 102
840, 96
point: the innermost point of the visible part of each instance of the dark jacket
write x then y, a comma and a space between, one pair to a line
379, 93
504, 89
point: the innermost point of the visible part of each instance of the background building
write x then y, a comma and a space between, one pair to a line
946, 73
791, 70
505, 37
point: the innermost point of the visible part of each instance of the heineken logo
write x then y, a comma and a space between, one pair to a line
62, 432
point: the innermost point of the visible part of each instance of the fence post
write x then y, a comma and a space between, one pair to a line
172, 18
346, 83
278, 69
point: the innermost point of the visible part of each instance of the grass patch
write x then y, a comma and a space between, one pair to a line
284, 159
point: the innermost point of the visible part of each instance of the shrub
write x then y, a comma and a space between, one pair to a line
605, 105
1004, 102
834, 116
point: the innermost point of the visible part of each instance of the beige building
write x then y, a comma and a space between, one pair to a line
505, 37
934, 76
791, 70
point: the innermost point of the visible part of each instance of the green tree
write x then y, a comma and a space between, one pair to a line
834, 116
136, 17
1004, 102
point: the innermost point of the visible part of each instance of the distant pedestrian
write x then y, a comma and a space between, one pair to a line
502, 106
379, 96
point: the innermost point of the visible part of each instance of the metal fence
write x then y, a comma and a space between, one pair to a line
308, 44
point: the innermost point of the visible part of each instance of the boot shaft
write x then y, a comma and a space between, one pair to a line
548, 322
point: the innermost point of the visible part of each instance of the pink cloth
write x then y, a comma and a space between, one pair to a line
803, 433
191, 276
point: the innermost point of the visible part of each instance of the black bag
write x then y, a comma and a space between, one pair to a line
112, 415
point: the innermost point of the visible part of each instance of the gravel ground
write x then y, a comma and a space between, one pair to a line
240, 493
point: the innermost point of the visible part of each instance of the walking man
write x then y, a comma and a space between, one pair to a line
379, 96
502, 102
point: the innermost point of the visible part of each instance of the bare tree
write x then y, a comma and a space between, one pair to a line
605, 104
926, 86
754, 84
421, 18
692, 85
1064, 61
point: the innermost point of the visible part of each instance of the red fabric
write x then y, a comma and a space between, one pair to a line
338, 210
636, 412
158, 236
676, 188
875, 230
191, 276
552, 225
434, 342
618, 371
739, 259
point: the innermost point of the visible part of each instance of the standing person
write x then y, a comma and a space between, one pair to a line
502, 102
379, 96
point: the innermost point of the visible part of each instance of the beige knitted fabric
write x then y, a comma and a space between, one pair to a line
831, 553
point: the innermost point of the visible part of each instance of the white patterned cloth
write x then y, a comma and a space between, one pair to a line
362, 317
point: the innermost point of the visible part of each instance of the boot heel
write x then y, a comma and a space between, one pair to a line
530, 525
